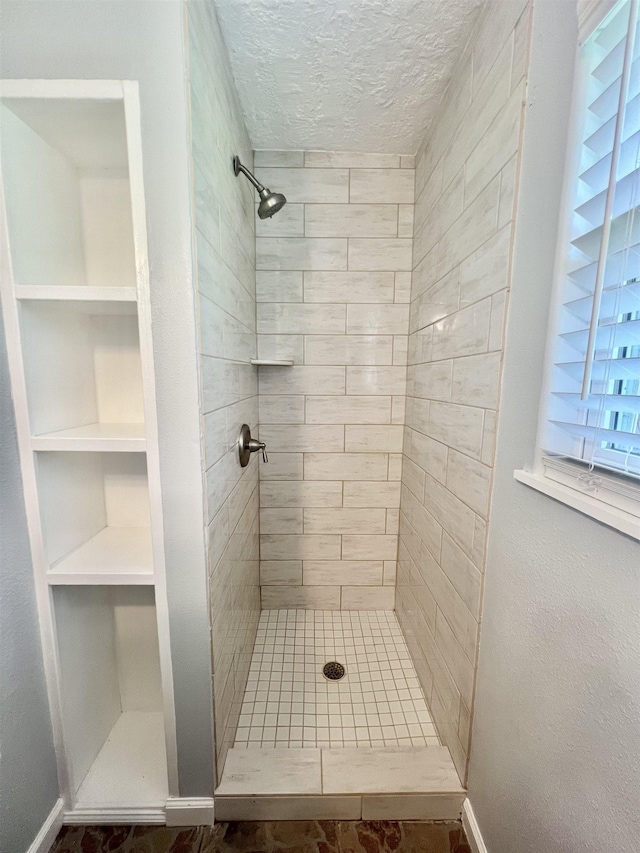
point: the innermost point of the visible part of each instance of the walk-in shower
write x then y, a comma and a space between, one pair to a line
270, 203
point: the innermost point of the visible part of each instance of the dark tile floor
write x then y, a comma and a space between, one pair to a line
327, 836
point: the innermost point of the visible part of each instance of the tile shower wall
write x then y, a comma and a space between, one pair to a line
466, 175
224, 249
333, 282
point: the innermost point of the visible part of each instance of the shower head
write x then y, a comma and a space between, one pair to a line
270, 203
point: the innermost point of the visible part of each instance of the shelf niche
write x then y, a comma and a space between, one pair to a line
67, 192
95, 517
111, 697
83, 369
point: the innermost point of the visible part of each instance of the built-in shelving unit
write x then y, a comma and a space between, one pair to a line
76, 306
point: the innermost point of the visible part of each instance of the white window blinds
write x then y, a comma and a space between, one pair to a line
594, 407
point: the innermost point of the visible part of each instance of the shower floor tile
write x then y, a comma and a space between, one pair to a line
289, 703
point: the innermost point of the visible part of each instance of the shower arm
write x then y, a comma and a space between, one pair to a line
238, 167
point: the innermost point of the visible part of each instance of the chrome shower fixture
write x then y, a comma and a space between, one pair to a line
270, 203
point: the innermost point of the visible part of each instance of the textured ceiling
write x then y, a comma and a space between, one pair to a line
356, 75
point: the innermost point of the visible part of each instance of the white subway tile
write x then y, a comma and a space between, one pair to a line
281, 410
366, 495
520, 45
350, 160
450, 512
395, 466
281, 572
278, 286
348, 410
356, 547
507, 192
344, 520
308, 186
462, 573
301, 253
402, 287
283, 466
301, 493
288, 223
376, 380
300, 379
351, 220
412, 477
489, 437
476, 380
304, 597
389, 573
474, 227
278, 158
457, 662
405, 220
303, 437
469, 480
439, 301
280, 520
431, 380
345, 466
496, 148
486, 271
288, 318
349, 287
368, 597
348, 349
398, 408
498, 317
393, 520
377, 254
368, 186
337, 572
386, 439
377, 319
464, 333
305, 547
281, 348
457, 426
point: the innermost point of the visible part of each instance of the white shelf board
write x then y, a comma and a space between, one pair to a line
117, 438
76, 293
131, 768
114, 556
271, 362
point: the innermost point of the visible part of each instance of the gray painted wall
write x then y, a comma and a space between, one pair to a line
126, 39
556, 736
28, 776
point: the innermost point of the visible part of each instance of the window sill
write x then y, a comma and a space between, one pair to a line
611, 516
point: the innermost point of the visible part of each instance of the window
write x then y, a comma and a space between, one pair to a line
590, 436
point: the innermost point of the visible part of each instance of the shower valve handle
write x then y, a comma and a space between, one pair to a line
255, 445
248, 445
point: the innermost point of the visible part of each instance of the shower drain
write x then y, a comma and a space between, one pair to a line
333, 670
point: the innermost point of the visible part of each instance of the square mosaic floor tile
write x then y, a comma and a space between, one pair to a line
288, 701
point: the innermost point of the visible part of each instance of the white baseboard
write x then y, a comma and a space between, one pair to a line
115, 815
43, 841
472, 829
189, 811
